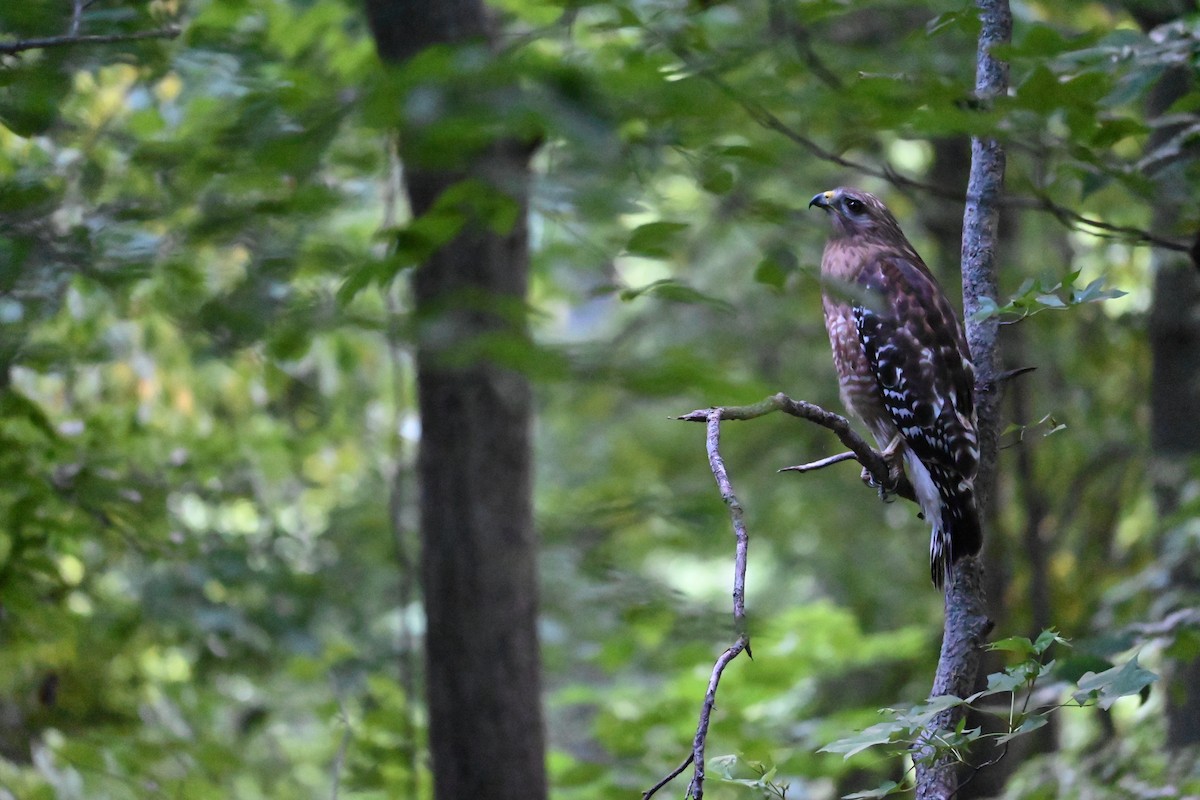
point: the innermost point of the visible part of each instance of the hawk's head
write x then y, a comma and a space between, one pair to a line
854, 212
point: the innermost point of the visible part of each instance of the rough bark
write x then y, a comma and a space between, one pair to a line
966, 623
1175, 411
1175, 406
478, 568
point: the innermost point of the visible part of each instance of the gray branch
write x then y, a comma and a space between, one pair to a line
966, 623
22, 45
712, 417
1072, 219
891, 481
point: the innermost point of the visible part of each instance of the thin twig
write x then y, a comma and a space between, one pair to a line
871, 459
1068, 216
339, 760
768, 120
874, 462
76, 17
696, 789
813, 466
21, 45
712, 443
399, 489
670, 776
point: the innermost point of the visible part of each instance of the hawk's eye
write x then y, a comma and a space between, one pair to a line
855, 206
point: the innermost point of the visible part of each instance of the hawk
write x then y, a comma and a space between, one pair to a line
903, 366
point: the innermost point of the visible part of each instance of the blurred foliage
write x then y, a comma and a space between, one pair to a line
206, 396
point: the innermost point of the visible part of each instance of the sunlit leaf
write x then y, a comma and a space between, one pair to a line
1105, 688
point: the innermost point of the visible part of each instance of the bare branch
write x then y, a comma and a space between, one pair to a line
1078, 222
670, 776
696, 789
712, 442
813, 466
1067, 216
76, 17
892, 482
782, 22
21, 45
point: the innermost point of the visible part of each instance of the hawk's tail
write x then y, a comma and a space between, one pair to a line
956, 532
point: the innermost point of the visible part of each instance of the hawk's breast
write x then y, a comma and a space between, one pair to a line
858, 386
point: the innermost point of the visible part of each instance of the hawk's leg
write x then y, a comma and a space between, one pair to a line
893, 456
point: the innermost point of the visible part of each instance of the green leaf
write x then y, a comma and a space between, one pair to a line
1095, 292
33, 97
770, 272
717, 179
892, 732
655, 239
676, 292
882, 790
1030, 723
1051, 301
1007, 681
987, 309
1111, 685
922, 714
1014, 644
1073, 668
15, 404
1049, 636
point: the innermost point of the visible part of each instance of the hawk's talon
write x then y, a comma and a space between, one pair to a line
868, 478
895, 471
885, 494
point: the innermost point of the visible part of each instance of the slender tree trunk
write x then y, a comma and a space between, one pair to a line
478, 565
967, 624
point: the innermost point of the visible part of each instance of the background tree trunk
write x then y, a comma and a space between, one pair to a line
1174, 386
478, 562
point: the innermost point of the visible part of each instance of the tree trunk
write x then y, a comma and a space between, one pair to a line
1175, 438
478, 560
967, 624
1174, 401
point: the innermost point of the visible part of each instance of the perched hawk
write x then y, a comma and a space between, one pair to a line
903, 365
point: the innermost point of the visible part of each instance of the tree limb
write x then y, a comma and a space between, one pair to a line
820, 463
712, 444
1068, 217
22, 45
713, 419
875, 465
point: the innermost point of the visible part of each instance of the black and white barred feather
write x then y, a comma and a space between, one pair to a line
920, 375
903, 365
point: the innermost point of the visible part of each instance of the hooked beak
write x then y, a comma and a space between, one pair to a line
821, 200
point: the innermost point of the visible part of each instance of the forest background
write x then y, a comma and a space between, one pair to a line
208, 424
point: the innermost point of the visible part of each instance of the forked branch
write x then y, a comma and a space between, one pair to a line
713, 417
873, 462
